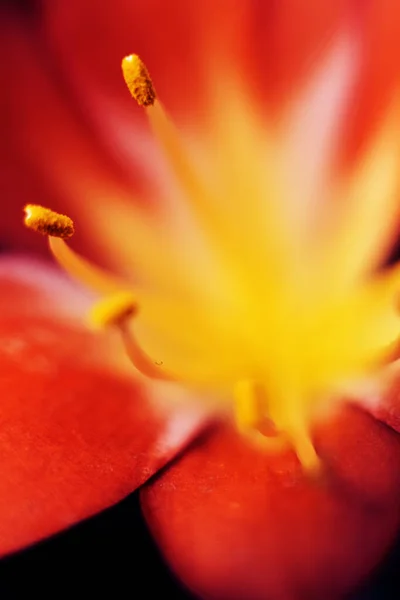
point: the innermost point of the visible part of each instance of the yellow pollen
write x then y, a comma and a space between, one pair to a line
47, 222
138, 80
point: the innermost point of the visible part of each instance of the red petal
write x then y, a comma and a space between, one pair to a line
17, 185
75, 436
275, 43
379, 71
235, 523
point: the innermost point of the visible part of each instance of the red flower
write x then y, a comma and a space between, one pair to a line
253, 262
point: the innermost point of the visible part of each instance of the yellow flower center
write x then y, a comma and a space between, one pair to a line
283, 325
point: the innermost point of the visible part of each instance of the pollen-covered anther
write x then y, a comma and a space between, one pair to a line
138, 80
48, 222
113, 310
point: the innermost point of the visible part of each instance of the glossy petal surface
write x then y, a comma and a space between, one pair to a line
76, 434
235, 523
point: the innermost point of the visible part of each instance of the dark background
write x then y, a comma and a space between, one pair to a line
112, 555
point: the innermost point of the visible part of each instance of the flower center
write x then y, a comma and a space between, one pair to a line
280, 340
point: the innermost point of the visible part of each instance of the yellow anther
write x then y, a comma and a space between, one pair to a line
138, 80
47, 222
113, 310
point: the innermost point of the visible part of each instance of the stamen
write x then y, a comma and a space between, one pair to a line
116, 311
200, 198
249, 416
59, 227
138, 80
113, 310
47, 222
291, 420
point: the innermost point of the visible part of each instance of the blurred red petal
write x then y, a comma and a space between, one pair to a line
17, 185
32, 287
379, 71
235, 523
288, 39
75, 435
276, 46
274, 43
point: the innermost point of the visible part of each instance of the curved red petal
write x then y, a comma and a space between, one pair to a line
235, 523
75, 435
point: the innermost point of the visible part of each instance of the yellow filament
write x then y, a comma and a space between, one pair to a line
140, 359
249, 415
47, 222
138, 80
169, 138
82, 270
